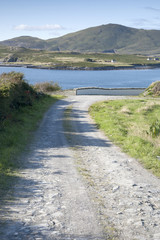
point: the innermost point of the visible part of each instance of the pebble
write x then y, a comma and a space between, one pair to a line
134, 185
119, 213
115, 188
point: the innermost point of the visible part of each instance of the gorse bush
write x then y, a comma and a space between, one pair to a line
47, 87
14, 93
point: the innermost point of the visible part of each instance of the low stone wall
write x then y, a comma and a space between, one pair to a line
110, 91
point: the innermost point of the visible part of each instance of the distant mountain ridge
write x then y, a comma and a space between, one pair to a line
104, 38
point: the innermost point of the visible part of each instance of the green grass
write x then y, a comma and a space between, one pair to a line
128, 124
15, 134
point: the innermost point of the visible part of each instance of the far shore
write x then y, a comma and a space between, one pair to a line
133, 67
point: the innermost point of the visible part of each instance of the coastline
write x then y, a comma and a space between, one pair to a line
107, 68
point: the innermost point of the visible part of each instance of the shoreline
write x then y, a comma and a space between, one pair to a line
105, 68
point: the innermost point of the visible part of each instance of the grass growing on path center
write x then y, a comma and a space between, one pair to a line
134, 125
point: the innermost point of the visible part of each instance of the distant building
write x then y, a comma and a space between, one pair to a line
113, 60
156, 59
149, 58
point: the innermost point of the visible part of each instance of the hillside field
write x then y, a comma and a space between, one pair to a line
51, 59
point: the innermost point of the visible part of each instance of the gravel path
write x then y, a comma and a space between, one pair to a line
77, 185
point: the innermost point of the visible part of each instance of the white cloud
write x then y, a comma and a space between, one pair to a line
153, 9
154, 23
140, 22
48, 27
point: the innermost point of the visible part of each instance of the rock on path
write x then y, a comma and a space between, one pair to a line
90, 190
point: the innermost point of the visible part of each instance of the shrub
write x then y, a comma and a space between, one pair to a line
90, 60
14, 93
156, 88
153, 89
154, 129
47, 87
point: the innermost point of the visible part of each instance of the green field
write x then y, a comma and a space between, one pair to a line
43, 58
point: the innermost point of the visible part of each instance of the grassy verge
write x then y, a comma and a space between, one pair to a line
134, 125
15, 134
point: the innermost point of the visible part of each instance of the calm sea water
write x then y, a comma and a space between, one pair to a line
69, 79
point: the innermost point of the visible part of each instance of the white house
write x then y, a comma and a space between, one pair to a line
113, 60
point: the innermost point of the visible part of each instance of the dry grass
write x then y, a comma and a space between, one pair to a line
125, 110
69, 59
148, 106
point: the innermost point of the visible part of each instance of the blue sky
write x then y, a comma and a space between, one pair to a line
53, 18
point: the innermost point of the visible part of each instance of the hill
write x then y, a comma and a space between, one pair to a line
25, 41
105, 38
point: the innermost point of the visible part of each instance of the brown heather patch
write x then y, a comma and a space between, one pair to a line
148, 106
125, 110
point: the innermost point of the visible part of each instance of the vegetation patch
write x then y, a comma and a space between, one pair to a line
47, 87
153, 90
134, 125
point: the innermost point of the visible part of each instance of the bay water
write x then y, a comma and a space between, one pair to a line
69, 79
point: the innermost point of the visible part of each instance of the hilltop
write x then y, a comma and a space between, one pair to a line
110, 38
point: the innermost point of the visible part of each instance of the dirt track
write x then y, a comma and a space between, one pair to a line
77, 185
